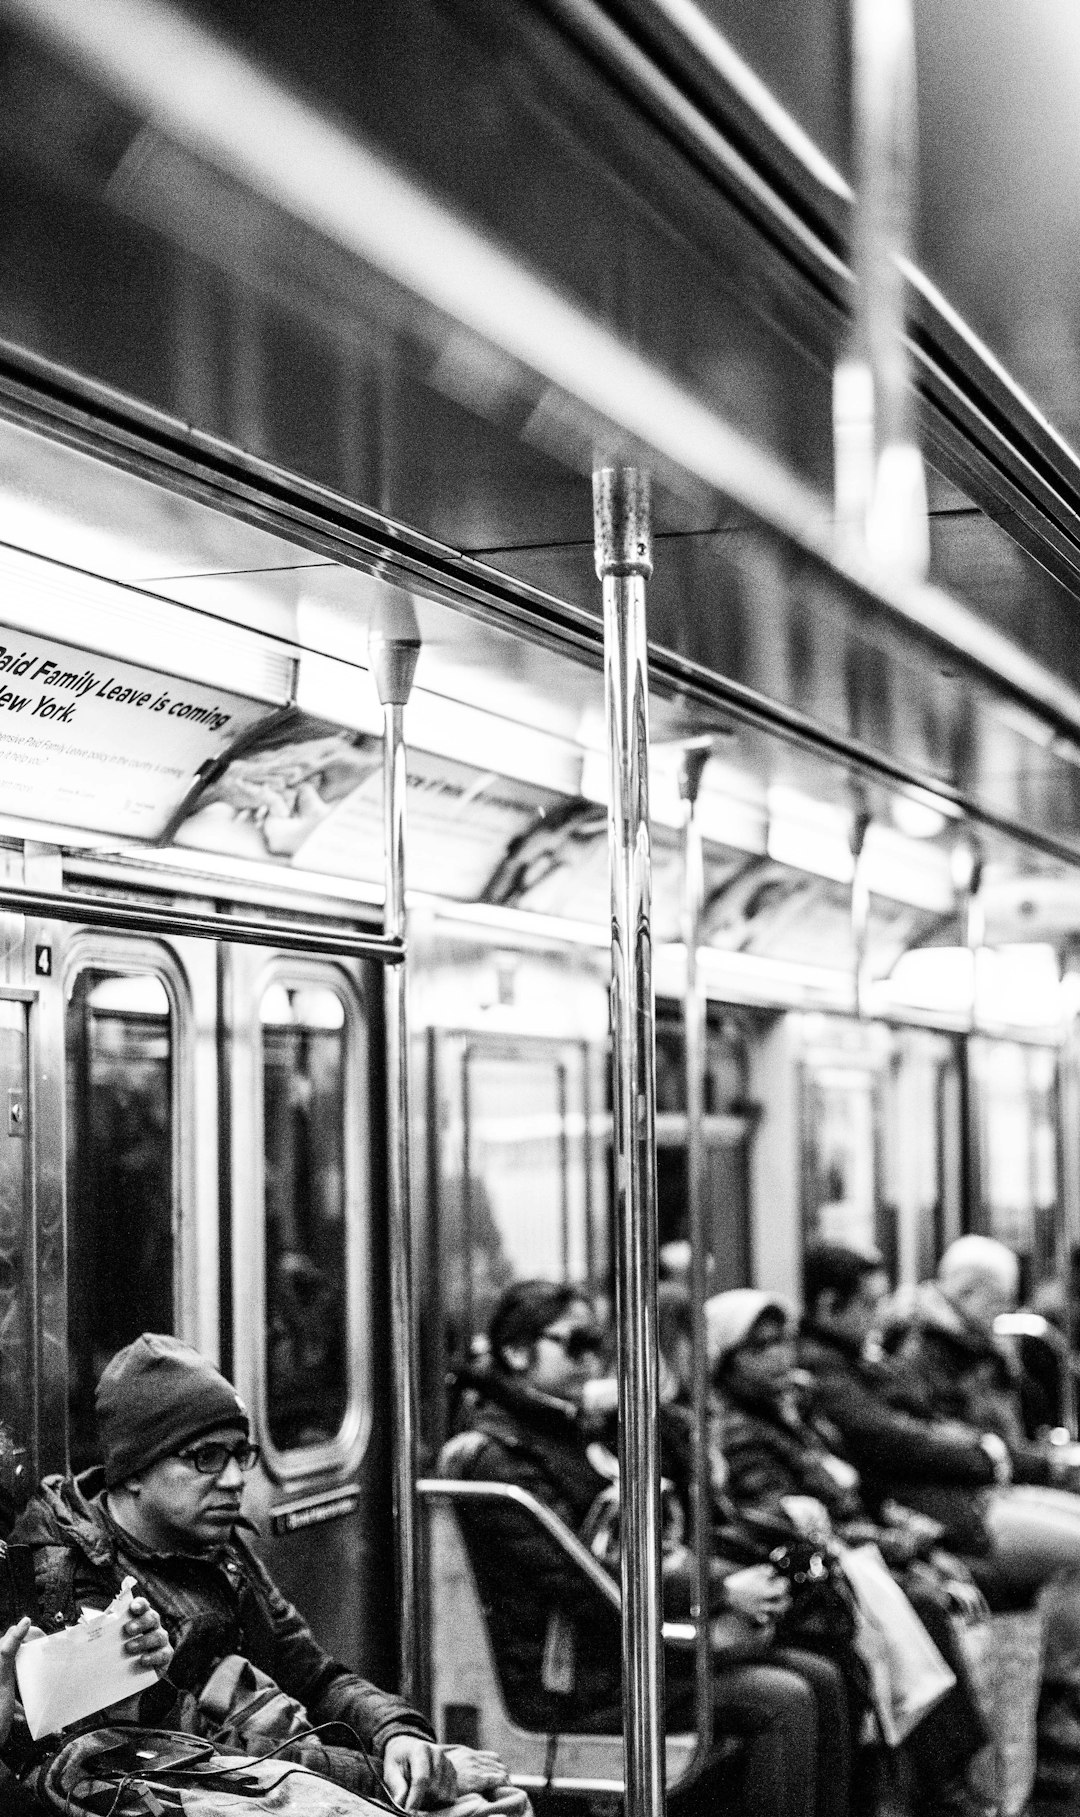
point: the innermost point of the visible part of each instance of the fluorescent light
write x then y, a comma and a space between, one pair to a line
903, 869
932, 978
809, 835
917, 816
1019, 986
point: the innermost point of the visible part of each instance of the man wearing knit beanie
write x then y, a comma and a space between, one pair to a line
166, 1509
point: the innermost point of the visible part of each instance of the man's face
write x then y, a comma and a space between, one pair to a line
984, 1297
861, 1317
185, 1509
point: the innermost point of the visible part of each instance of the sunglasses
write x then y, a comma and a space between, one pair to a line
576, 1344
212, 1459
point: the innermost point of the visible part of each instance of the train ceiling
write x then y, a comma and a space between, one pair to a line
507, 764
140, 262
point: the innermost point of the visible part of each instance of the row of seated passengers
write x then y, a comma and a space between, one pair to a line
813, 1430
166, 1509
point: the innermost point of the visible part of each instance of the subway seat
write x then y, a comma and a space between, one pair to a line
466, 1695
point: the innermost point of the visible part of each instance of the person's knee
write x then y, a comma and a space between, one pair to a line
788, 1699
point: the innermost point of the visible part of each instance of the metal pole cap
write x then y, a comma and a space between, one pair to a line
394, 646
622, 521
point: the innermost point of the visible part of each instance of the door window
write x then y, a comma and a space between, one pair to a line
121, 1178
516, 1188
308, 1260
15, 1354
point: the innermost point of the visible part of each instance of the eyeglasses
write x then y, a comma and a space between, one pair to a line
576, 1344
212, 1459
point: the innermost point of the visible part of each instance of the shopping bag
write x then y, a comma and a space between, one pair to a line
1003, 1655
908, 1675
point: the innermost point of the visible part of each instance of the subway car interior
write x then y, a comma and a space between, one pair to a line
313, 336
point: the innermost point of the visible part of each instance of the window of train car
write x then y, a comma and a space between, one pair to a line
727, 1129
310, 1264
121, 1176
517, 1192
1015, 1090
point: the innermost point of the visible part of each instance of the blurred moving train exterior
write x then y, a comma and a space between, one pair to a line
233, 440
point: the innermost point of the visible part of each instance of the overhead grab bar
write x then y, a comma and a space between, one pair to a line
183, 923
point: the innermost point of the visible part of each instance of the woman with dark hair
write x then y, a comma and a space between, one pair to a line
557, 1646
778, 1462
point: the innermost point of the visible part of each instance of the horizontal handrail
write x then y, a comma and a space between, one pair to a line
147, 918
452, 1489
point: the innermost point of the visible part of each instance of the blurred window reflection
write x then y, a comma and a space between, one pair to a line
121, 1177
1016, 1088
304, 1036
517, 1193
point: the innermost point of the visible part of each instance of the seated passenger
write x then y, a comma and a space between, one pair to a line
166, 1509
947, 1351
900, 1446
558, 1650
779, 1461
948, 1364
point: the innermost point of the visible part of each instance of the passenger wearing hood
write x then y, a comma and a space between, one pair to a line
166, 1509
782, 1462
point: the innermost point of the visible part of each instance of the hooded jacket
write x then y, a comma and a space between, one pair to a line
212, 1605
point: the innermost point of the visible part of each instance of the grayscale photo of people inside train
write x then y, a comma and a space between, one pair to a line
539, 908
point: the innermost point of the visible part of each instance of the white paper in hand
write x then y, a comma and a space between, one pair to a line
64, 1677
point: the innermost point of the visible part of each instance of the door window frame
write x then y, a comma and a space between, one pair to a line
342, 1454
125, 957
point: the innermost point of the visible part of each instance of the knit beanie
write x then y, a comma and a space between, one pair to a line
730, 1317
156, 1395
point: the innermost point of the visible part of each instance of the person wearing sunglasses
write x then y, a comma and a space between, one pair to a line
167, 1509
529, 1421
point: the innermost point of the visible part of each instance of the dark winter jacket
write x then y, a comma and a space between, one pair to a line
888, 1445
556, 1640
773, 1450
211, 1605
949, 1367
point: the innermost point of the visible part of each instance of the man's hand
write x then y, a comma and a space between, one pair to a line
9, 1646
476, 1770
417, 1772
145, 1637
758, 1592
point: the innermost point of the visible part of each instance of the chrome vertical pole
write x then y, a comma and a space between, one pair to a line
394, 649
694, 1033
860, 909
623, 544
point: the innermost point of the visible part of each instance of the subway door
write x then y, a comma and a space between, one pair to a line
305, 1293
140, 1089
17, 1347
